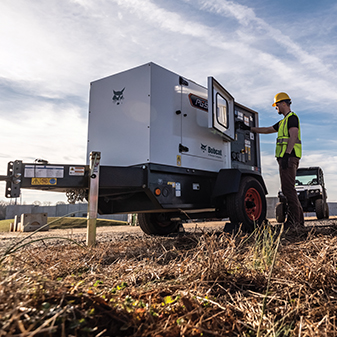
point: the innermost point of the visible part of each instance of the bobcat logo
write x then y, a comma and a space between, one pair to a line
118, 96
203, 147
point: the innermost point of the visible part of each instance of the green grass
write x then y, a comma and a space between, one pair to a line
4, 225
67, 222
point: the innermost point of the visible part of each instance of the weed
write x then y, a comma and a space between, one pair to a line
265, 243
210, 283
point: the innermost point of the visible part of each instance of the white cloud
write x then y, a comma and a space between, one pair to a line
328, 163
247, 18
291, 66
45, 132
77, 37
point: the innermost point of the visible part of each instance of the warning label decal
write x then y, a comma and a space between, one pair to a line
44, 181
76, 171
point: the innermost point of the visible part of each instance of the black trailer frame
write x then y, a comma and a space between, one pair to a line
147, 188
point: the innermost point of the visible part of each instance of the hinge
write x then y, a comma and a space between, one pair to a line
182, 81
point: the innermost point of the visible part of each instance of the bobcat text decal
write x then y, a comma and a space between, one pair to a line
211, 151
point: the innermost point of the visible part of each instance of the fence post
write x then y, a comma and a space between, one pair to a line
93, 197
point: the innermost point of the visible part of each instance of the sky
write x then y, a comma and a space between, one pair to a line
52, 49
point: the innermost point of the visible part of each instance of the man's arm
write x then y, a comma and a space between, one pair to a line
268, 129
293, 134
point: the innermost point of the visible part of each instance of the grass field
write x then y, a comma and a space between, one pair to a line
268, 283
66, 223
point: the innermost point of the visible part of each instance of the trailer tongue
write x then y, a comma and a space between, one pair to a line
170, 150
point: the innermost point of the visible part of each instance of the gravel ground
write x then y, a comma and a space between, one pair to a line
117, 233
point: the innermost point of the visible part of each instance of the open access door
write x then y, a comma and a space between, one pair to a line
220, 109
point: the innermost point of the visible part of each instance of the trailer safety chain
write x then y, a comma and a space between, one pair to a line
76, 195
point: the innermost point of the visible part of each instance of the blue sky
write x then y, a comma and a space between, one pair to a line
51, 50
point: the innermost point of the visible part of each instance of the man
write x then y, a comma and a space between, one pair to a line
288, 153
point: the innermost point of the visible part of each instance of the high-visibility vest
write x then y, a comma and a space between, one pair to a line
283, 138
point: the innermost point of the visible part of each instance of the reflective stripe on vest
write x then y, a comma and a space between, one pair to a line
283, 138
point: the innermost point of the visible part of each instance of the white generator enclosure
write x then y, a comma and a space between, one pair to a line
151, 115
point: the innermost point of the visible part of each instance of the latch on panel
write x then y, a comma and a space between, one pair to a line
183, 148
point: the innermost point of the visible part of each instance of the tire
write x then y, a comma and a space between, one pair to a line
326, 210
157, 223
280, 212
248, 205
319, 208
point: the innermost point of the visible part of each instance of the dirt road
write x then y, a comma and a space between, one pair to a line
111, 233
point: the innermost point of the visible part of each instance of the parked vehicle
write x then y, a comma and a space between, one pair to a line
311, 192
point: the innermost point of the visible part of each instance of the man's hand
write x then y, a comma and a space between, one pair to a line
285, 160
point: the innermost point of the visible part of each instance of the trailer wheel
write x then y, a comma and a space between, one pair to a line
248, 205
319, 208
280, 212
157, 223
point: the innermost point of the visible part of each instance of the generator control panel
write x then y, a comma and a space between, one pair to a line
244, 148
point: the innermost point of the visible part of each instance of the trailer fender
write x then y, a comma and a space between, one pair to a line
228, 181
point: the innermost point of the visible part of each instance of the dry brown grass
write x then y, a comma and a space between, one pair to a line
200, 284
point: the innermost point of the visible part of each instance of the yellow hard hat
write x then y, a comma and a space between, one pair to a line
281, 96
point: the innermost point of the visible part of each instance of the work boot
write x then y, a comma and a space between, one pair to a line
294, 229
288, 224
